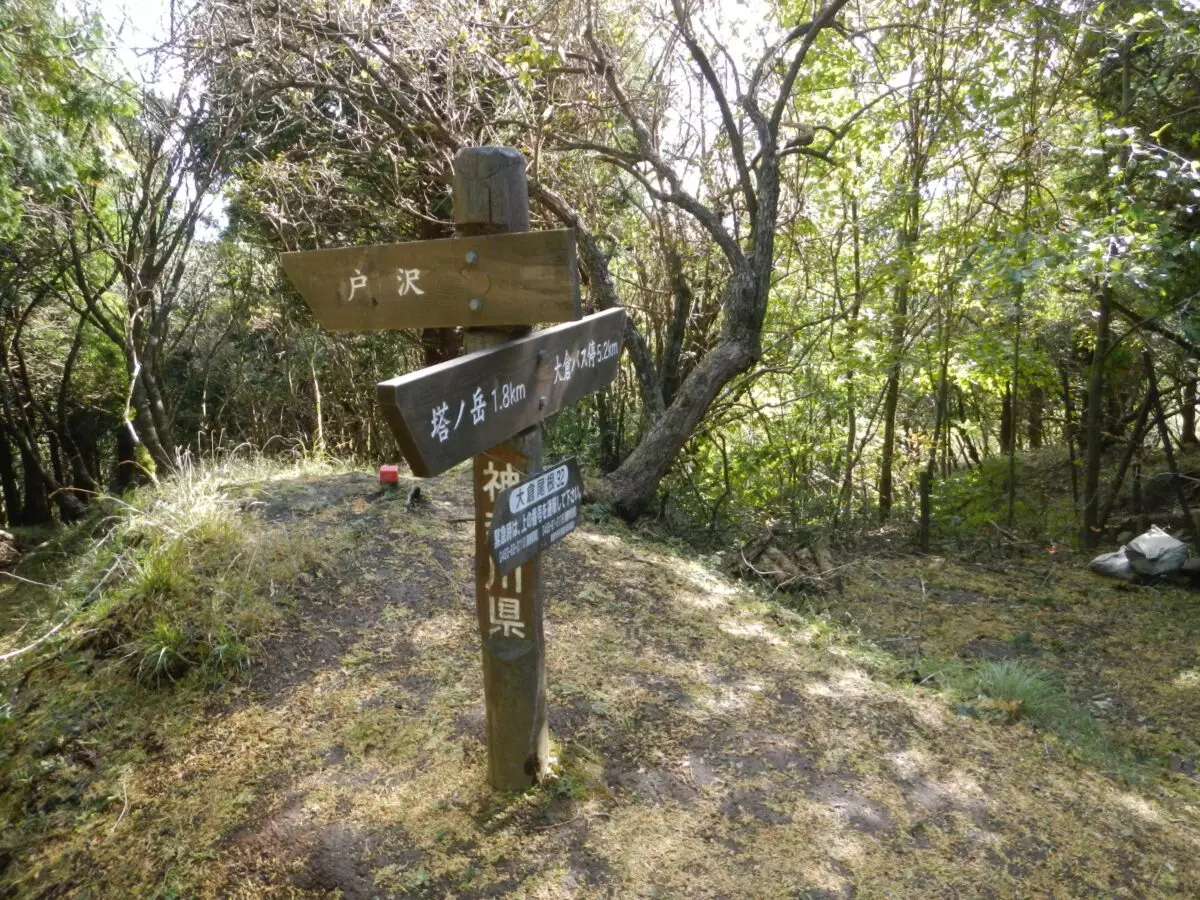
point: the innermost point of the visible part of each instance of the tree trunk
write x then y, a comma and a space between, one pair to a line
609, 460
1094, 426
127, 472
56, 465
1068, 432
972, 453
8, 481
162, 451
84, 453
891, 400
847, 493
1187, 414
633, 485
1035, 428
1139, 504
81, 478
1165, 436
925, 482
145, 428
41, 484
909, 231
1006, 421
439, 345
36, 510
670, 373
1132, 449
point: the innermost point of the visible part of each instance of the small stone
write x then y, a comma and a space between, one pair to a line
1179, 763
9, 553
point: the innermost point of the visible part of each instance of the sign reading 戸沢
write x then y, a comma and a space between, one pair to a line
534, 515
445, 413
500, 279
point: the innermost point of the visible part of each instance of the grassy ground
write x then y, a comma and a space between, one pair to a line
710, 741
1128, 654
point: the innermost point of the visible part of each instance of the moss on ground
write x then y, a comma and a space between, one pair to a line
709, 742
1125, 654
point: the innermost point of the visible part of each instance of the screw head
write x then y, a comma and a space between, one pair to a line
472, 257
475, 304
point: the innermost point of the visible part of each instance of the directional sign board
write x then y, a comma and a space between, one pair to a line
500, 279
445, 413
535, 515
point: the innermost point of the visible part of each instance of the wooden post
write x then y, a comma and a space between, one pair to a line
491, 196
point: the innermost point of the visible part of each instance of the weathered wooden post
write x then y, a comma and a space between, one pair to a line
491, 196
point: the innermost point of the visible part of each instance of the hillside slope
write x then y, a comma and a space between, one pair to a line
710, 743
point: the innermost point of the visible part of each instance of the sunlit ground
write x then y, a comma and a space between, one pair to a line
707, 745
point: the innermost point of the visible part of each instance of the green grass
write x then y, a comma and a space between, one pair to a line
177, 583
1003, 691
160, 596
1033, 695
1020, 690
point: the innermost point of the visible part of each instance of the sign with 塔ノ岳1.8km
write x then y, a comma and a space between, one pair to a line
535, 515
446, 413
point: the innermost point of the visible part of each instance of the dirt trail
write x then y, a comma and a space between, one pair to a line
707, 747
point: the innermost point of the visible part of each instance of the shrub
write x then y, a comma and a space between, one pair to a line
175, 579
1028, 692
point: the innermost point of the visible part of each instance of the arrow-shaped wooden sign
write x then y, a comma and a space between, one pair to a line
502, 279
445, 413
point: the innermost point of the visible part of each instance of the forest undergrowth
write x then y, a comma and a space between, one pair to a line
266, 683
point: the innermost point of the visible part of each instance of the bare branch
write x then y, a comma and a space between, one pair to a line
819, 22
733, 132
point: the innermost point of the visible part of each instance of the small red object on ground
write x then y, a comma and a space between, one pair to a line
389, 474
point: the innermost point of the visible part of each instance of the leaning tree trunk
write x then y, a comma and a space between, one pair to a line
632, 486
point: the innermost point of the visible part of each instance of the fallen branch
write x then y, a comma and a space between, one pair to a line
1012, 537
53, 587
11, 654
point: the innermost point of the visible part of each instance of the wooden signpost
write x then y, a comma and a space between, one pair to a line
495, 278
